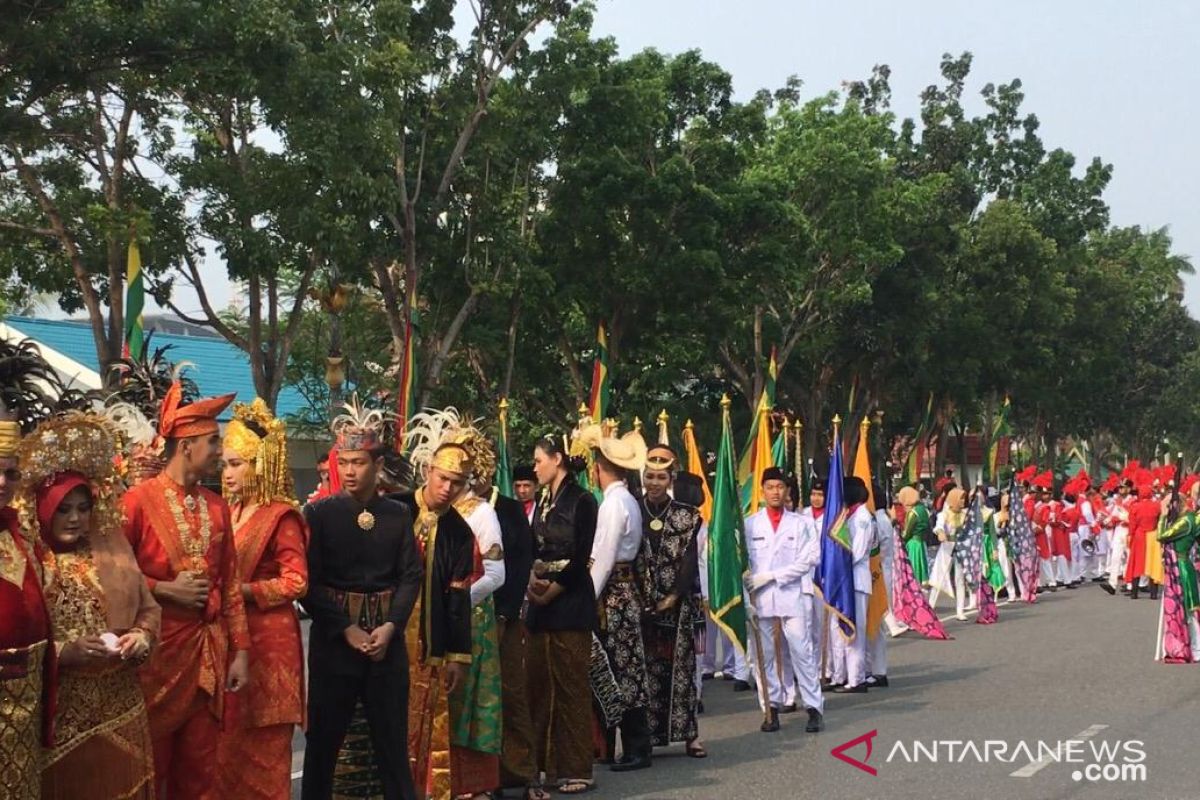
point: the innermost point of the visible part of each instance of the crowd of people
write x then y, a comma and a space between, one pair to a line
150, 632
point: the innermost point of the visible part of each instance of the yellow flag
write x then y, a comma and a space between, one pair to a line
695, 465
877, 605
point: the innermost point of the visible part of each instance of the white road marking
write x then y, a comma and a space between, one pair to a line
1033, 767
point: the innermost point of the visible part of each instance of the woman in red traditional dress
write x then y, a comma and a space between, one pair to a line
255, 754
26, 657
103, 615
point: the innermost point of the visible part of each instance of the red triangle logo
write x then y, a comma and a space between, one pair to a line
839, 752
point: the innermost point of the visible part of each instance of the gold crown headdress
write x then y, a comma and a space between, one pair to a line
71, 442
359, 427
256, 435
446, 440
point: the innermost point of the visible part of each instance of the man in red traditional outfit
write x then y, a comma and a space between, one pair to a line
183, 540
26, 658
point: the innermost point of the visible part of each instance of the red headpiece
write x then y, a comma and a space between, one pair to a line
177, 421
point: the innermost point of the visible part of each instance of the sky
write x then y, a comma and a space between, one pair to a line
1105, 78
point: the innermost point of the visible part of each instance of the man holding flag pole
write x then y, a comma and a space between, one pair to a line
783, 551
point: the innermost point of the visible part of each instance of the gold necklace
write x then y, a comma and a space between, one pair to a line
196, 547
656, 521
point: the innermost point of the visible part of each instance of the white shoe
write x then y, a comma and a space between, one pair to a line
961, 617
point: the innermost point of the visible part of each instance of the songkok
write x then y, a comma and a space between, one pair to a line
524, 473
177, 421
772, 474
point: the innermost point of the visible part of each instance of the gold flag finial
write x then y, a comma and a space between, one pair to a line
504, 404
688, 425
726, 402
837, 420
866, 423
637, 424
663, 416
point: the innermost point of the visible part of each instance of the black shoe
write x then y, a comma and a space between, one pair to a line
631, 763
790, 708
1052, 588
1108, 588
1041, 589
827, 685
1154, 591
815, 721
771, 723
877, 682
1133, 593
859, 689
1072, 585
699, 706
726, 676
1060, 584
708, 676
741, 686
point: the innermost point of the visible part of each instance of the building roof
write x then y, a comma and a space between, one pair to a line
218, 366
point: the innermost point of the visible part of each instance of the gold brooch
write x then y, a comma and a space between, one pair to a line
366, 520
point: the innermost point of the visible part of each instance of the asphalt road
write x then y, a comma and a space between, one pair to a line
998, 706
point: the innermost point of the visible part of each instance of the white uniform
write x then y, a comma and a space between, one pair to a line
486, 527
817, 619
943, 565
852, 655
786, 558
1086, 567
1119, 544
877, 647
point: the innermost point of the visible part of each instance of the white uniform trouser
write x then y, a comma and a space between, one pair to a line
1047, 574
1062, 569
1006, 567
794, 636
835, 656
712, 635
1116, 556
852, 655
877, 663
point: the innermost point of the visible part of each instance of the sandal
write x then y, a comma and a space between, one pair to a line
696, 750
575, 786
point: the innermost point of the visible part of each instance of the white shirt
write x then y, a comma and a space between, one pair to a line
862, 539
618, 533
789, 554
486, 527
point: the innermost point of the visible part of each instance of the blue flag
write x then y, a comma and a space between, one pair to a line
835, 576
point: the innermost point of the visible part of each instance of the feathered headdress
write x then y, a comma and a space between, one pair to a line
144, 380
359, 427
445, 439
258, 437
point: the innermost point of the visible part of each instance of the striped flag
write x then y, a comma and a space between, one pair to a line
598, 402
406, 398
135, 300
998, 432
760, 459
695, 465
912, 465
503, 469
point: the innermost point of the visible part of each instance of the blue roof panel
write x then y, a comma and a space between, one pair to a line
218, 366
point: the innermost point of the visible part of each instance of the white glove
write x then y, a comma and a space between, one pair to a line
758, 581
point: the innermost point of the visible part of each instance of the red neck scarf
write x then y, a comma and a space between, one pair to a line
775, 515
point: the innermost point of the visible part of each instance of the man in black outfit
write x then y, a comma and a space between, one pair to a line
364, 577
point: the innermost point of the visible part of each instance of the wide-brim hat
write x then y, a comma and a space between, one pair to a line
627, 452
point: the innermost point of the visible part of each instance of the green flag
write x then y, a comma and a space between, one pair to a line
726, 543
779, 450
503, 471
